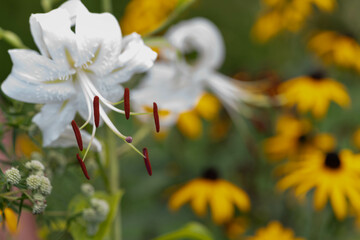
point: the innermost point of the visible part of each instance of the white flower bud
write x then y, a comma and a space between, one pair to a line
90, 215
35, 165
33, 182
45, 185
101, 207
13, 176
38, 197
39, 207
87, 189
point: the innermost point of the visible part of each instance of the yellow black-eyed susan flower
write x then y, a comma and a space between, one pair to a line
333, 176
286, 15
220, 194
10, 220
336, 48
293, 138
314, 93
274, 231
145, 16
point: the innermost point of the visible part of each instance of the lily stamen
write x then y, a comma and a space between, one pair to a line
83, 167
127, 103
77, 134
147, 161
96, 106
156, 117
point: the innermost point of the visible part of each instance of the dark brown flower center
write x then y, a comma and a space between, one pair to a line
211, 174
318, 75
332, 161
303, 139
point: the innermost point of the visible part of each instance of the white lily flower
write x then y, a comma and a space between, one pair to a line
73, 67
177, 85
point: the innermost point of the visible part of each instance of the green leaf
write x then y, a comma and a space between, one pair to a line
23, 196
80, 202
193, 230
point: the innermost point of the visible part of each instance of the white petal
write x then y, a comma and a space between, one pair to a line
53, 36
34, 67
53, 119
68, 139
169, 89
136, 57
99, 38
17, 87
73, 7
201, 35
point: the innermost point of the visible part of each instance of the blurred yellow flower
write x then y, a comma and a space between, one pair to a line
220, 194
10, 220
314, 93
145, 16
208, 106
274, 231
333, 176
189, 123
236, 227
333, 47
293, 138
286, 15
24, 146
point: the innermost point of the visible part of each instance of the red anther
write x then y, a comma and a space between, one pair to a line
156, 117
147, 161
127, 103
77, 134
96, 111
83, 167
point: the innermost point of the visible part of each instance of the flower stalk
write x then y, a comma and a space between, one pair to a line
114, 176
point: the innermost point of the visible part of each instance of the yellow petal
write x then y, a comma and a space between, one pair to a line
338, 203
24, 146
190, 124
222, 209
208, 106
11, 220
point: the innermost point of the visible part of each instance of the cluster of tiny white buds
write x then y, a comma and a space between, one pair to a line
38, 184
33, 182
35, 166
95, 215
13, 176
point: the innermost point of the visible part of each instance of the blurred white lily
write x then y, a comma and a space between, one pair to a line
74, 67
177, 84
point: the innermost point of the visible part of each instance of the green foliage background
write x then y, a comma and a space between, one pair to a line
239, 159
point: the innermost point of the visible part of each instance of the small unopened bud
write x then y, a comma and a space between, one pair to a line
33, 182
87, 189
129, 139
13, 176
45, 185
35, 165
101, 207
39, 207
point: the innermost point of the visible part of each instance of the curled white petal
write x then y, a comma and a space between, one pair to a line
201, 35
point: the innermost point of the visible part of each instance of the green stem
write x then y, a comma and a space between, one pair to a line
106, 5
114, 176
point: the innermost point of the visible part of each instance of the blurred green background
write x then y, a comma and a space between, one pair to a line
238, 158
